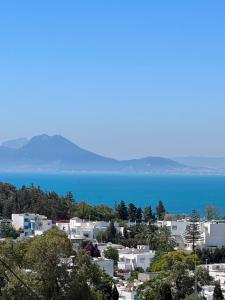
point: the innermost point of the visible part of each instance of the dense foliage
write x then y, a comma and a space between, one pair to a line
34, 200
211, 256
176, 277
111, 253
160, 210
154, 236
217, 293
8, 231
46, 267
157, 238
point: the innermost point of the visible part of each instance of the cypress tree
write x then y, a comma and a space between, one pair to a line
115, 293
132, 212
160, 210
125, 233
139, 215
217, 293
111, 232
193, 232
148, 216
121, 210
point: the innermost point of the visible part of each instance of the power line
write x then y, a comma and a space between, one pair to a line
18, 278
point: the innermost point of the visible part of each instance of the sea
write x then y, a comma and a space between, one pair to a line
180, 194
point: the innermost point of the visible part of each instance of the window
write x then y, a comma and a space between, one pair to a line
174, 227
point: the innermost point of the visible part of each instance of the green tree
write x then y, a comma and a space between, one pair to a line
50, 248
217, 293
111, 232
176, 268
134, 273
115, 294
193, 232
103, 212
43, 268
8, 231
121, 211
148, 216
111, 253
125, 233
211, 212
139, 215
160, 210
153, 236
102, 237
211, 256
165, 292
132, 212
168, 260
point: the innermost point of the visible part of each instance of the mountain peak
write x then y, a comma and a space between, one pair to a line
56, 153
49, 139
45, 137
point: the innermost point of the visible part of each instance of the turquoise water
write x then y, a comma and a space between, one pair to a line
180, 194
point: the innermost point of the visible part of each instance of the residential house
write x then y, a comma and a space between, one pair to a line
31, 224
131, 258
105, 264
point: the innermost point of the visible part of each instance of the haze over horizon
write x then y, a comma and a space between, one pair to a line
122, 79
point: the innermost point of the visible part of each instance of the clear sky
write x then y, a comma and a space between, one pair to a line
122, 78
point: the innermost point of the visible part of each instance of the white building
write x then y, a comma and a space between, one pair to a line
86, 229
177, 229
78, 229
207, 292
214, 234
217, 272
31, 224
127, 290
127, 293
130, 258
63, 225
103, 246
105, 264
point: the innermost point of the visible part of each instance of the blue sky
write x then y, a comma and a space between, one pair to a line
121, 78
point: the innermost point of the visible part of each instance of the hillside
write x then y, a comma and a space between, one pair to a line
57, 154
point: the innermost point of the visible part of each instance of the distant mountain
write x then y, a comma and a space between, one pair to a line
57, 154
152, 165
15, 144
202, 162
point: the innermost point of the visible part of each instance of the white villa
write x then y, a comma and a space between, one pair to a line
217, 271
31, 224
130, 258
78, 229
213, 233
